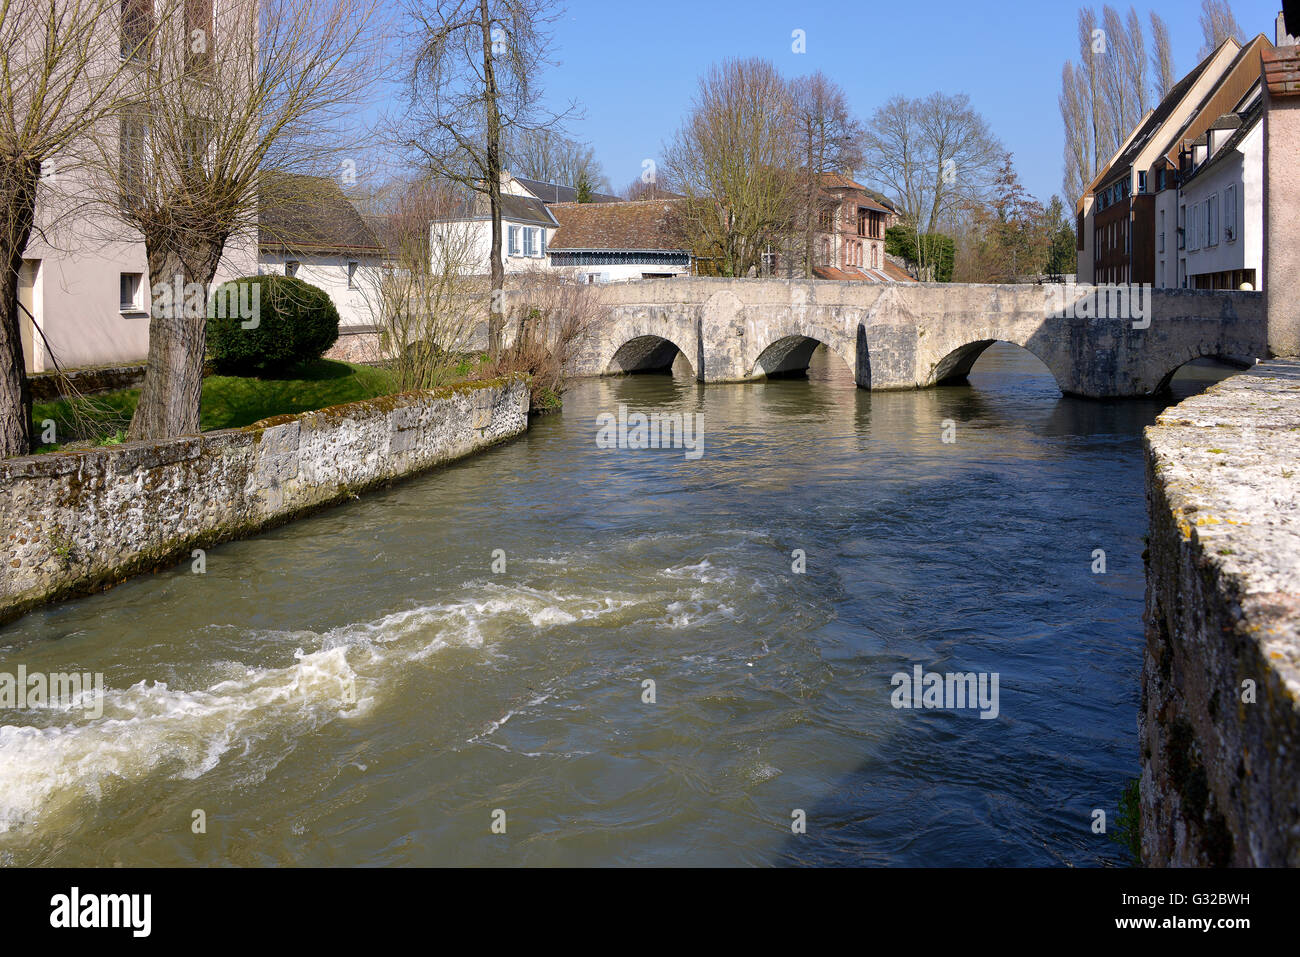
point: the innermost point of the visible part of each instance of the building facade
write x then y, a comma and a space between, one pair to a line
1134, 223
84, 287
309, 230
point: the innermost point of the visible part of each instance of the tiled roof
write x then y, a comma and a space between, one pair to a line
311, 212
646, 226
552, 193
840, 181
1282, 71
887, 273
1156, 119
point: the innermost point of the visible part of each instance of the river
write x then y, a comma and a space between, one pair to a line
370, 686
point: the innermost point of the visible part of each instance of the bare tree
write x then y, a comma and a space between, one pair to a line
735, 160
829, 140
471, 89
551, 157
225, 101
1074, 106
931, 153
1107, 92
1162, 56
1135, 64
557, 320
1217, 25
60, 77
421, 299
658, 187
1092, 46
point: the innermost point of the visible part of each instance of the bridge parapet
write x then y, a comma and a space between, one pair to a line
1099, 342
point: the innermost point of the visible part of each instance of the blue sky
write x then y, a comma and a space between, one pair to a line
633, 66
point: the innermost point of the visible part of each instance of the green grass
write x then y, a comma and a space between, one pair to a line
229, 402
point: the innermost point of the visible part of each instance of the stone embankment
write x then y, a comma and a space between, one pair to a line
76, 522
1220, 718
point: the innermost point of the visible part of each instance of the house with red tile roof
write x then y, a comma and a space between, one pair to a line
850, 240
611, 242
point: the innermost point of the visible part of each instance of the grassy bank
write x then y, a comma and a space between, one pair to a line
229, 402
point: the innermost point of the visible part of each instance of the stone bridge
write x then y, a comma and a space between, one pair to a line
1097, 341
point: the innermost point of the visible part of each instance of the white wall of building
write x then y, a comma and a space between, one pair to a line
622, 273
1243, 171
347, 288
470, 243
77, 296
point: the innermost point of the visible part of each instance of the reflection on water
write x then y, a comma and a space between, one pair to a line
364, 688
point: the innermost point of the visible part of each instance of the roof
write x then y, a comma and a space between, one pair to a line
311, 213
651, 225
1247, 122
551, 193
886, 273
525, 209
1282, 70
840, 181
1159, 116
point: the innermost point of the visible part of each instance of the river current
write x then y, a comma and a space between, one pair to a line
624, 656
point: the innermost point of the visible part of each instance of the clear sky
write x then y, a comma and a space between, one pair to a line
633, 64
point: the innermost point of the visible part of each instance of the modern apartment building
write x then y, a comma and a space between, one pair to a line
1131, 220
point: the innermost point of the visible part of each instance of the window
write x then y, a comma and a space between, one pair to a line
352, 273
131, 156
131, 298
826, 252
291, 267
1212, 220
137, 26
1142, 182
513, 233
1193, 227
198, 33
1160, 239
530, 242
1230, 213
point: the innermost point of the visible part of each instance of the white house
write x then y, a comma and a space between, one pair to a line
308, 229
613, 242
1221, 202
526, 230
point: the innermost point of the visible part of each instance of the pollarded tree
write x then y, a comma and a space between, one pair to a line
61, 68
227, 97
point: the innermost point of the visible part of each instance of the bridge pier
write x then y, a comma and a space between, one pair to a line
898, 336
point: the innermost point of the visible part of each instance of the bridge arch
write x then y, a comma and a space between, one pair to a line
789, 348
957, 363
1201, 352
647, 353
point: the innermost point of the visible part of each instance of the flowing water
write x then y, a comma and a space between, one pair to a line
368, 687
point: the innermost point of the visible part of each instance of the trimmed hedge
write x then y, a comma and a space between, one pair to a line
296, 322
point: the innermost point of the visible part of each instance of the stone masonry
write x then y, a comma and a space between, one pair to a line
77, 522
1220, 717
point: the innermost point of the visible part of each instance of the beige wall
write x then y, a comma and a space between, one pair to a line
1281, 244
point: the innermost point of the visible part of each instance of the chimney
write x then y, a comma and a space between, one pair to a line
1284, 37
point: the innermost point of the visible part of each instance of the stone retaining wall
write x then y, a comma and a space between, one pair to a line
1220, 718
93, 381
77, 522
